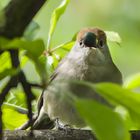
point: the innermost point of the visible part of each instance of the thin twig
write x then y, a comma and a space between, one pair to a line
12, 83
16, 108
36, 85
22, 79
27, 89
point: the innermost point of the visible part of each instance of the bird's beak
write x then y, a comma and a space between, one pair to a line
90, 40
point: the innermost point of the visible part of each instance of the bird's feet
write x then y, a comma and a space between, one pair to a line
59, 126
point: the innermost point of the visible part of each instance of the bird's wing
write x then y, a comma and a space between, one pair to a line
55, 73
52, 77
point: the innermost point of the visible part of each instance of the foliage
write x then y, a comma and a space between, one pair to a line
102, 119
55, 17
17, 118
117, 95
105, 122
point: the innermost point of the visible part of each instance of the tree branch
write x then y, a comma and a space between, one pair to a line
70, 134
22, 79
27, 89
18, 15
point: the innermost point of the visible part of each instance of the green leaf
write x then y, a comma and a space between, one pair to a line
12, 119
120, 96
34, 50
16, 97
65, 46
17, 101
5, 61
40, 65
130, 100
3, 42
8, 72
113, 37
23, 58
35, 47
133, 82
117, 93
106, 124
14, 104
15, 107
54, 19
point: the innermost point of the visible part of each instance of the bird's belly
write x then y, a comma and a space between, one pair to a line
61, 107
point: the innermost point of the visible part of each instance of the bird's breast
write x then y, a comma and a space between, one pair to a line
81, 70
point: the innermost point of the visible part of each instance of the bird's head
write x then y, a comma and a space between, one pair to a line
92, 38
91, 45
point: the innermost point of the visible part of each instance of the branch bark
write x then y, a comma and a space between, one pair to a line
18, 15
69, 134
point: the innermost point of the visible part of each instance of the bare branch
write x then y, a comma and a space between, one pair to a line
18, 15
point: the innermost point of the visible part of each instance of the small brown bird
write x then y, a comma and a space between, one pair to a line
88, 60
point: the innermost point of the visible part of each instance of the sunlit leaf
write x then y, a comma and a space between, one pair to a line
16, 97
12, 119
5, 61
123, 112
34, 50
113, 37
102, 119
14, 107
133, 82
120, 96
40, 65
35, 47
23, 58
54, 19
131, 100
65, 46
8, 72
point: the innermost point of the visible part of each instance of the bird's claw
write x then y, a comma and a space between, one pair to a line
67, 128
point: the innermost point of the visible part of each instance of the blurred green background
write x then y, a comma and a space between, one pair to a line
121, 16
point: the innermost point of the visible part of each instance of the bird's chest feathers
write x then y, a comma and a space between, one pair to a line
81, 70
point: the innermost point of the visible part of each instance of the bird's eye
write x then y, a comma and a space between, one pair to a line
80, 43
101, 43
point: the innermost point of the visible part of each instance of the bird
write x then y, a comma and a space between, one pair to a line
88, 60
